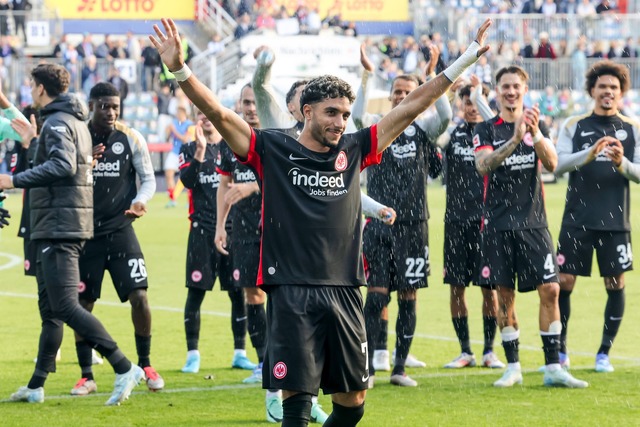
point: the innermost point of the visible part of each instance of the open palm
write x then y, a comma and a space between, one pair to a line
169, 45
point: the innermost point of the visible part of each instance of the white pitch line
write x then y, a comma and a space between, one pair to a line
416, 335
13, 261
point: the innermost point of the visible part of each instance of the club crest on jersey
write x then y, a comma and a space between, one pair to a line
81, 287
528, 139
561, 259
27, 265
476, 141
621, 134
280, 370
341, 162
410, 130
118, 148
486, 272
236, 274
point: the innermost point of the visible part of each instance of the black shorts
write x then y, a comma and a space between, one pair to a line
397, 256
246, 260
461, 253
205, 263
118, 252
527, 254
575, 251
30, 256
317, 339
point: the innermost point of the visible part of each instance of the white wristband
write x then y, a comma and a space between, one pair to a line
465, 60
538, 137
183, 73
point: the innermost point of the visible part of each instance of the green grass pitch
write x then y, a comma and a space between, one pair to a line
217, 397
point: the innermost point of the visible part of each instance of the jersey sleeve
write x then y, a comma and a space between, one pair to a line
370, 155
631, 169
567, 159
482, 136
189, 167
256, 151
435, 161
144, 168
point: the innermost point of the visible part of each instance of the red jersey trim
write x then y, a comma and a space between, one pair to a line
485, 185
184, 165
253, 158
483, 147
373, 158
260, 279
499, 121
191, 206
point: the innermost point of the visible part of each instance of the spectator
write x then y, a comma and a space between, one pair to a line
313, 22
61, 47
215, 46
4, 22
545, 48
349, 29
122, 86
565, 103
119, 50
586, 9
150, 65
244, 26
614, 50
20, 8
89, 76
563, 49
482, 69
532, 6
134, 50
549, 8
411, 56
629, 51
393, 51
569, 7
598, 50
7, 52
104, 50
24, 93
549, 104
579, 64
86, 48
605, 7
265, 20
527, 51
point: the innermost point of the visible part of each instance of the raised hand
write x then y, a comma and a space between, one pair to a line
600, 145
532, 119
264, 55
26, 130
614, 151
169, 45
481, 37
201, 141
434, 55
364, 59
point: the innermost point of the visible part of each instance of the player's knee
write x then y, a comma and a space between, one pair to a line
138, 298
549, 293
296, 409
87, 304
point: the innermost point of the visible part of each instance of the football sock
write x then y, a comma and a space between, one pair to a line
257, 326
85, 357
381, 343
405, 328
192, 317
37, 379
372, 308
564, 302
511, 344
461, 326
119, 362
238, 318
613, 313
143, 347
343, 416
490, 327
296, 410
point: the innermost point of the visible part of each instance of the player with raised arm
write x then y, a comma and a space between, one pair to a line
601, 152
310, 258
515, 238
121, 158
462, 221
198, 163
398, 257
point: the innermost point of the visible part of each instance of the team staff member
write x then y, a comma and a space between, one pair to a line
121, 156
515, 238
310, 248
601, 152
61, 199
198, 173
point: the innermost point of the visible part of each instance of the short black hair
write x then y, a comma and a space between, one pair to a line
103, 89
292, 90
607, 68
323, 88
55, 78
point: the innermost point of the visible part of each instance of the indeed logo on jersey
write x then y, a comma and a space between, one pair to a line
244, 176
465, 152
404, 151
521, 161
319, 184
107, 169
213, 179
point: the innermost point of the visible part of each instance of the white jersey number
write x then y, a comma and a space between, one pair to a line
138, 269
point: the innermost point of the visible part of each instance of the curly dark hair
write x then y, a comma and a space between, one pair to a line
607, 68
323, 88
512, 69
292, 90
55, 78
